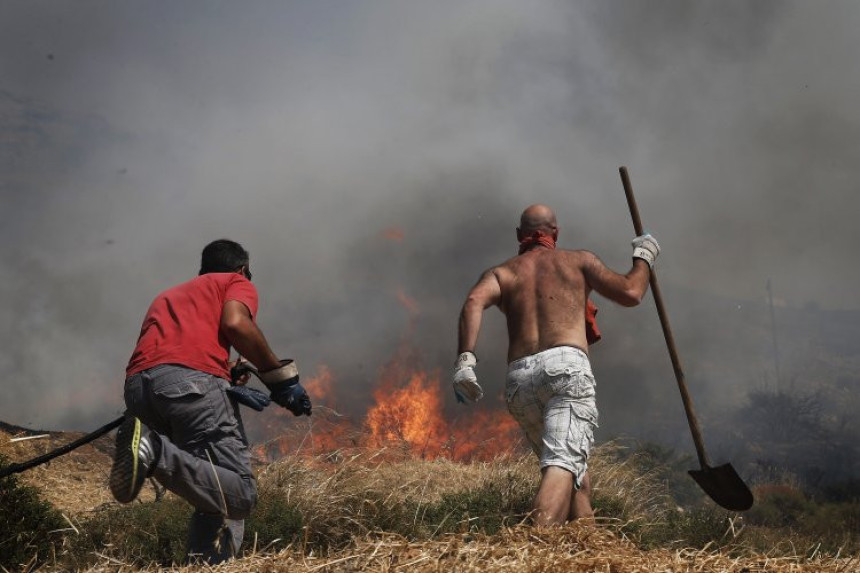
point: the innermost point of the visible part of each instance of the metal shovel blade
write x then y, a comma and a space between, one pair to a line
724, 486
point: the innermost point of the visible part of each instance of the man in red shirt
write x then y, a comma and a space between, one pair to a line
182, 425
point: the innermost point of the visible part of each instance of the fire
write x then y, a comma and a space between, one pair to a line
409, 415
319, 386
484, 435
413, 416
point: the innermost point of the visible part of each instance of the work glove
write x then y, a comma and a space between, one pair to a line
645, 247
250, 397
240, 369
285, 390
466, 386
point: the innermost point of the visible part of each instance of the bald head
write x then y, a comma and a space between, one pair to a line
537, 218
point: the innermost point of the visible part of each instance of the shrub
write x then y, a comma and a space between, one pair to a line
836, 526
30, 527
696, 528
779, 506
138, 533
484, 509
274, 523
157, 532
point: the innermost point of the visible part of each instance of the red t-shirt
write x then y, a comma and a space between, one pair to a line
182, 325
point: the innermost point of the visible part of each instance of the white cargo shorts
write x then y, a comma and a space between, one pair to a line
551, 395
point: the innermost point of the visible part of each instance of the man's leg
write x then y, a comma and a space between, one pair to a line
204, 454
570, 417
213, 539
580, 505
210, 486
553, 500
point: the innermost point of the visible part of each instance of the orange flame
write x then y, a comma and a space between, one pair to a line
407, 417
485, 434
408, 413
319, 387
413, 416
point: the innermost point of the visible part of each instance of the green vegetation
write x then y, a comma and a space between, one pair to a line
30, 529
485, 509
827, 526
783, 519
274, 524
138, 533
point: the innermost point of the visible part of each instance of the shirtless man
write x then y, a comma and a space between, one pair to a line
550, 389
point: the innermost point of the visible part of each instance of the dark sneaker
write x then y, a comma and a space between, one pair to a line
132, 461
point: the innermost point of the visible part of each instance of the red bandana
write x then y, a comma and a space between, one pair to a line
535, 239
592, 333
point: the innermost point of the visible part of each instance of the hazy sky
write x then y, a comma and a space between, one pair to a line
365, 149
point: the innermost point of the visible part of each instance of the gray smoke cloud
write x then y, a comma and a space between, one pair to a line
366, 151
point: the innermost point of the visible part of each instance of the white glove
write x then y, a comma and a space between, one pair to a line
466, 386
645, 247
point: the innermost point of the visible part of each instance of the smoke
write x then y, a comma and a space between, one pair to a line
361, 150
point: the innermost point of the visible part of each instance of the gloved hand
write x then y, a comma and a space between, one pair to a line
466, 386
250, 397
283, 384
645, 247
242, 368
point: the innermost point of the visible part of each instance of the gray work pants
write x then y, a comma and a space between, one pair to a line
204, 452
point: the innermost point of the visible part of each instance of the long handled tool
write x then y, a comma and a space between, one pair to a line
721, 483
247, 396
37, 461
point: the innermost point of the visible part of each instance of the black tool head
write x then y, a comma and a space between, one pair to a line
724, 486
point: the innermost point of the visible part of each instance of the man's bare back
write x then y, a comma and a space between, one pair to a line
543, 294
543, 297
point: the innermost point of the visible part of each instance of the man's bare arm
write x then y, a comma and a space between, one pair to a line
246, 337
626, 290
487, 292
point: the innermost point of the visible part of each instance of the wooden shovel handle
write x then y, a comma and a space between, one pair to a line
667, 330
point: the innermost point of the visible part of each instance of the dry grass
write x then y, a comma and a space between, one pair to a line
348, 500
74, 483
575, 547
376, 481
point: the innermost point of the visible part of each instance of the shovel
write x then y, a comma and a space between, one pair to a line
721, 483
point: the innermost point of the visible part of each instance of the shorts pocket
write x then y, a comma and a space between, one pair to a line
557, 366
586, 411
585, 417
577, 384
